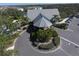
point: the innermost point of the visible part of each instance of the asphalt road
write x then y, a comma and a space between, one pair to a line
24, 48
69, 43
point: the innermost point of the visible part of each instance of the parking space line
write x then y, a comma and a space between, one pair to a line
69, 41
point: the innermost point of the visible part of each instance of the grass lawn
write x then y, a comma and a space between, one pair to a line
5, 42
8, 40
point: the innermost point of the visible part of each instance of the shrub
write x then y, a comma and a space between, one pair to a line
61, 26
46, 47
54, 34
44, 35
56, 41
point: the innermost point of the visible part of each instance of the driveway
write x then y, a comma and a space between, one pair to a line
24, 48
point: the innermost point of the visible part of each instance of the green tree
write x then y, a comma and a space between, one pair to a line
44, 35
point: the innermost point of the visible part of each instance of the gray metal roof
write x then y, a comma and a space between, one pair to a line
41, 21
49, 13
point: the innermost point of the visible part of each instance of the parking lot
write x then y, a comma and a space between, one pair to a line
70, 37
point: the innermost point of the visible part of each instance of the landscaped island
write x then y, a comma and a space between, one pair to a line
45, 39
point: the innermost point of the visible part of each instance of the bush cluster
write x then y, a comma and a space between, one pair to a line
44, 35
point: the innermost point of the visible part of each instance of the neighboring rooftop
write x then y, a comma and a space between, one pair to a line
49, 13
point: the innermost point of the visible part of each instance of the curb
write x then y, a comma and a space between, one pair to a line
50, 51
13, 46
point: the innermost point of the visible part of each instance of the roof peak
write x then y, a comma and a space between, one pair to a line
41, 21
